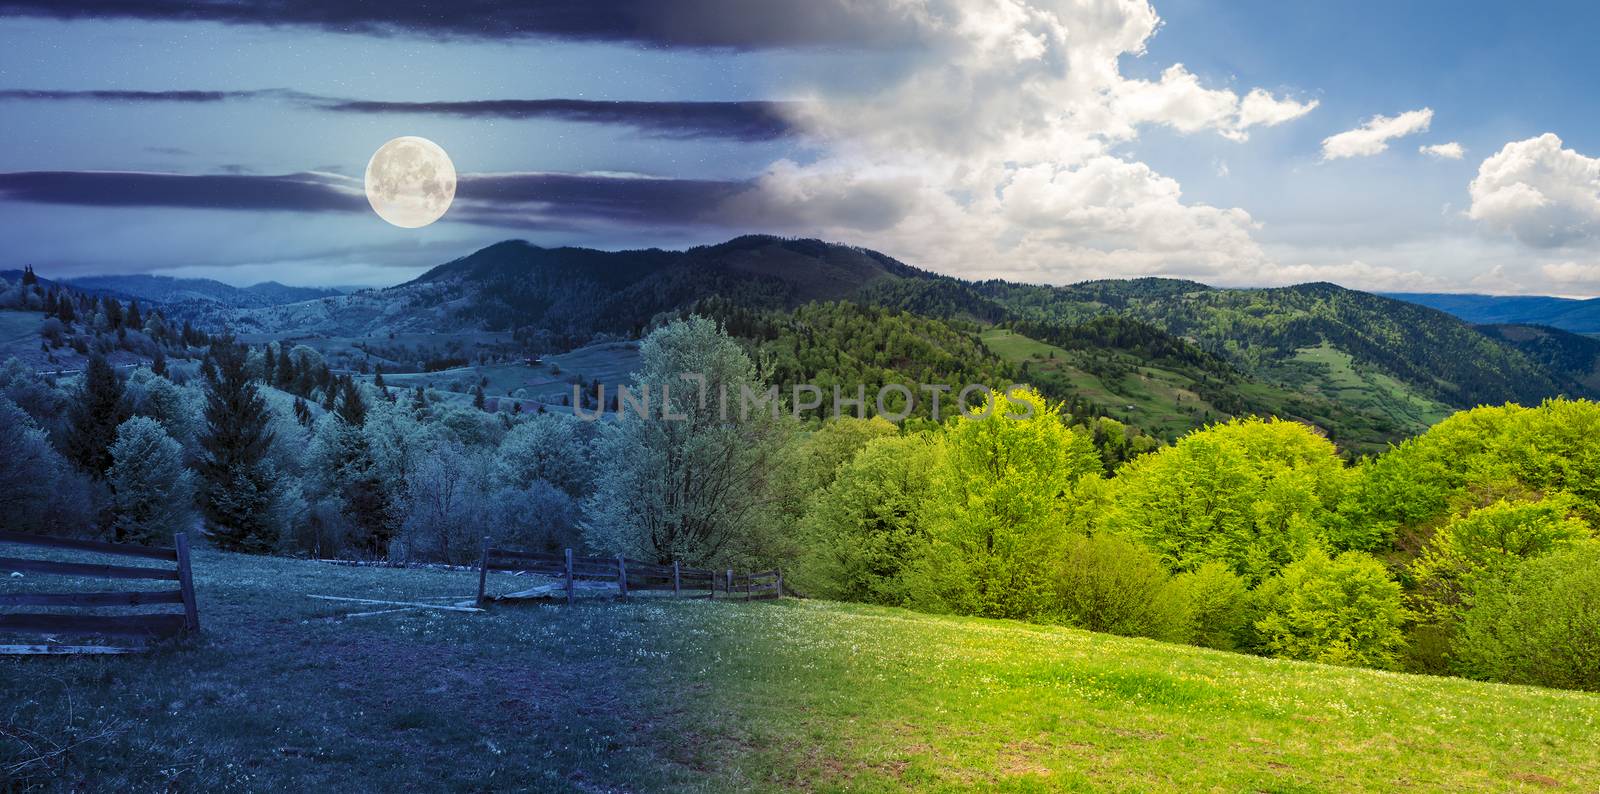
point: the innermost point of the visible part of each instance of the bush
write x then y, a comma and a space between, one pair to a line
1344, 610
1538, 624
1217, 602
1113, 585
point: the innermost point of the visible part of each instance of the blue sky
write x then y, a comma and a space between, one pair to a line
1040, 140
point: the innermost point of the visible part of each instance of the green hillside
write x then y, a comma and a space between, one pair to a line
280, 693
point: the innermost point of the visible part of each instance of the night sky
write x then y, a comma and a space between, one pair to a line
1432, 146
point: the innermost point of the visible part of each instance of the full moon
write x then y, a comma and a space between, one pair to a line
410, 182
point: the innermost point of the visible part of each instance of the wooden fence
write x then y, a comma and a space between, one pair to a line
138, 625
627, 575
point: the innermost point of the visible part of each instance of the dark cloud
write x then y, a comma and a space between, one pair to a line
614, 198
299, 192
753, 120
735, 24
552, 201
745, 121
124, 96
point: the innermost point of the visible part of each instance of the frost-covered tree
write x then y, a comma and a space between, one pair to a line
178, 410
40, 492
151, 490
685, 482
549, 447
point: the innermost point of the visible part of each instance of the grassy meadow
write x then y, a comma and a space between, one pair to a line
280, 693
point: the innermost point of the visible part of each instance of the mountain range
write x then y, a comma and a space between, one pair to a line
1368, 368
1579, 316
1163, 355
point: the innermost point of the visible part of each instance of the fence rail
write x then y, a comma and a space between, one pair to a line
57, 623
627, 574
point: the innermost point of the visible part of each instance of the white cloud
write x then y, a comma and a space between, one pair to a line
995, 154
1374, 136
1443, 151
1572, 273
1543, 194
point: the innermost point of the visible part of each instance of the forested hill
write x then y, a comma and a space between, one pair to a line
1264, 331
1314, 351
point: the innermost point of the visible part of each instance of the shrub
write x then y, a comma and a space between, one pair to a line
1217, 602
1110, 584
1344, 610
1538, 624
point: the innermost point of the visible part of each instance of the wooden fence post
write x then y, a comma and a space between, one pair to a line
569, 577
191, 612
729, 583
483, 570
674, 578
622, 576
780, 581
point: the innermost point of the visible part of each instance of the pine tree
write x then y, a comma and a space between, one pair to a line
113, 311
65, 312
237, 483
478, 400
269, 366
95, 415
28, 278
159, 365
351, 407
419, 401
302, 412
286, 370
135, 321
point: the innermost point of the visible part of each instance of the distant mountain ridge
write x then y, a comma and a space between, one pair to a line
1580, 316
169, 290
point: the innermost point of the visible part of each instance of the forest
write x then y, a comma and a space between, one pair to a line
1467, 550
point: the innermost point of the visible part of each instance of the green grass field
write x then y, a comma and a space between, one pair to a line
279, 694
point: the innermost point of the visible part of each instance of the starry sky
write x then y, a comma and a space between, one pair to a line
1423, 146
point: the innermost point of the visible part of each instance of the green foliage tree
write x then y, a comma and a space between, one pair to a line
1489, 542
151, 488
996, 524
1250, 493
868, 526
236, 481
1342, 610
1536, 624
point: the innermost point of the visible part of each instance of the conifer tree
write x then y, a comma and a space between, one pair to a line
94, 418
237, 483
159, 365
478, 400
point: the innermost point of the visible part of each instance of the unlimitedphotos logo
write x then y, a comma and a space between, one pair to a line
656, 401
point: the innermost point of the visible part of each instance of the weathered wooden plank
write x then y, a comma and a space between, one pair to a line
133, 599
444, 607
47, 623
86, 569
126, 549
191, 612
37, 650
